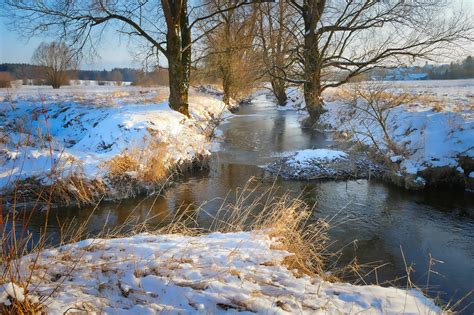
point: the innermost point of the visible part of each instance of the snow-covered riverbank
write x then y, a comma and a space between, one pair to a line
431, 134
209, 274
49, 135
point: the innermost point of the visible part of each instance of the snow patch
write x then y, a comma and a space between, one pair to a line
310, 155
215, 273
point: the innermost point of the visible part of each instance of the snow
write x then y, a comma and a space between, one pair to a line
310, 164
408, 167
295, 100
317, 164
19, 83
89, 125
309, 156
420, 180
396, 158
10, 291
434, 128
208, 274
430, 136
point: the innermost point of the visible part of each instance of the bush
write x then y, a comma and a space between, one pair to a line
5, 79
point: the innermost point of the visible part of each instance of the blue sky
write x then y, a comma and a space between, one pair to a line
114, 50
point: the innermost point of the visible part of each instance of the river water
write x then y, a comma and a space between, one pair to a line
384, 220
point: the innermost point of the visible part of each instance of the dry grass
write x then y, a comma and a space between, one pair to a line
77, 190
24, 307
73, 189
123, 163
161, 96
436, 102
286, 219
339, 94
437, 107
135, 171
120, 94
147, 165
21, 250
346, 94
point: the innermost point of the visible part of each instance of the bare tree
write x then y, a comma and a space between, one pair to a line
229, 52
117, 77
163, 27
276, 37
56, 58
350, 37
372, 106
5, 79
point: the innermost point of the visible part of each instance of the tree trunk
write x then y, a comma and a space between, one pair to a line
55, 83
178, 52
53, 77
278, 88
178, 99
312, 94
313, 10
226, 58
278, 84
185, 53
312, 74
226, 87
226, 83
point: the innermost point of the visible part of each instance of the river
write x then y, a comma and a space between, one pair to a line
385, 220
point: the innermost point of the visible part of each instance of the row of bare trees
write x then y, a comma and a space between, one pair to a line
315, 43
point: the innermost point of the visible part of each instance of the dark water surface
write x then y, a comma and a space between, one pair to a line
383, 219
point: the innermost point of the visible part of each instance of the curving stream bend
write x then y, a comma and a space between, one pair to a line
383, 219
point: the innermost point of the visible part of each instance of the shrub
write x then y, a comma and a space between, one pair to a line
5, 79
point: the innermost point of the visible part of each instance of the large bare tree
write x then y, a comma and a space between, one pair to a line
351, 37
163, 26
56, 59
229, 52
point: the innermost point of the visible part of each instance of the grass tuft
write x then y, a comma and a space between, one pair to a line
286, 219
147, 165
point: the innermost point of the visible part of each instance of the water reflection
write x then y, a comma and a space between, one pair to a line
383, 219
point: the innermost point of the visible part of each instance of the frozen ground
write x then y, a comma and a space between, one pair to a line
48, 134
217, 273
435, 129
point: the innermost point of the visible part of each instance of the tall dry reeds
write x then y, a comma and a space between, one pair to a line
284, 218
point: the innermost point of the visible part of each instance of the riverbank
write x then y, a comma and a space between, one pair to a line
214, 273
420, 132
380, 217
80, 144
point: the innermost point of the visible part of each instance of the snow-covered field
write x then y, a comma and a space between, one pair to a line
238, 272
434, 129
434, 132
77, 129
